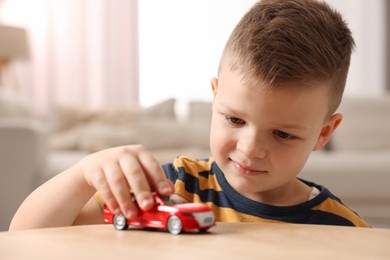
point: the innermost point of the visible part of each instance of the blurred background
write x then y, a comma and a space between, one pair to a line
77, 76
94, 53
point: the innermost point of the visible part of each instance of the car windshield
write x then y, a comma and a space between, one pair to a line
174, 199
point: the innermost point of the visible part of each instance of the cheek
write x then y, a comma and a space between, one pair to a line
220, 139
290, 160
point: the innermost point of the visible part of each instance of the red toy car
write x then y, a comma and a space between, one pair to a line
173, 214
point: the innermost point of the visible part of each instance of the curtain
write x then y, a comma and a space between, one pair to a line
387, 44
83, 52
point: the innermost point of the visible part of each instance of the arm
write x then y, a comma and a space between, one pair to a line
55, 203
67, 199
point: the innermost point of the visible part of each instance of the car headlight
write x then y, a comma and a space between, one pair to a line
204, 218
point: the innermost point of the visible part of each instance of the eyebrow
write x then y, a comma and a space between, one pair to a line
278, 125
292, 126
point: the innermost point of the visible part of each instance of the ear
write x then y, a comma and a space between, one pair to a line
214, 86
327, 131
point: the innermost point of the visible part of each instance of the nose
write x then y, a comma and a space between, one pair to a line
252, 145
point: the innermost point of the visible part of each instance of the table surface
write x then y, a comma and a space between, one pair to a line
225, 240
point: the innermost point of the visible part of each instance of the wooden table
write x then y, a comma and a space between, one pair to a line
224, 241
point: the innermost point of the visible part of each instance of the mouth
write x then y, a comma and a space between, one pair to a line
245, 170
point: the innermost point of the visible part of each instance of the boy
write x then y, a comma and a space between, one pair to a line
280, 81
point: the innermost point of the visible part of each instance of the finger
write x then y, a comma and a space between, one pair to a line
137, 179
121, 190
100, 183
155, 174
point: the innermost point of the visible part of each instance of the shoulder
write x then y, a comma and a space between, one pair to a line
194, 179
334, 209
328, 209
190, 164
335, 212
183, 165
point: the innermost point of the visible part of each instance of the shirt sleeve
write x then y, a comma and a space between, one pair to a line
170, 172
99, 200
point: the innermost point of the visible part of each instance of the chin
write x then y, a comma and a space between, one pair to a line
243, 184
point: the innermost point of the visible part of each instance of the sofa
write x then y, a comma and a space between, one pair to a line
355, 165
78, 132
23, 155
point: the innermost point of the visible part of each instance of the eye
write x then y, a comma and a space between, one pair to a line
234, 120
283, 135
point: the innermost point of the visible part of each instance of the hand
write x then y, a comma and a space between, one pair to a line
114, 172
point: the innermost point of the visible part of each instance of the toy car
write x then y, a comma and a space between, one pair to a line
173, 214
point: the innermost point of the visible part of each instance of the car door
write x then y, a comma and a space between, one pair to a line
153, 217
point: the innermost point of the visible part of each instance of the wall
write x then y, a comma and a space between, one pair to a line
181, 42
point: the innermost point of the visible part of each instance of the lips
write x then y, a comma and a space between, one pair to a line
246, 170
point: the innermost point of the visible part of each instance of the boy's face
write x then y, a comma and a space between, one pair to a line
261, 139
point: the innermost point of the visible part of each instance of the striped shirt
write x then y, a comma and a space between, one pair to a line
203, 181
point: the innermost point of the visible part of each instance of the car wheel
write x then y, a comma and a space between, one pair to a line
120, 222
174, 225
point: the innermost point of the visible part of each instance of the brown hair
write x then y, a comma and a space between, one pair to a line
301, 41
